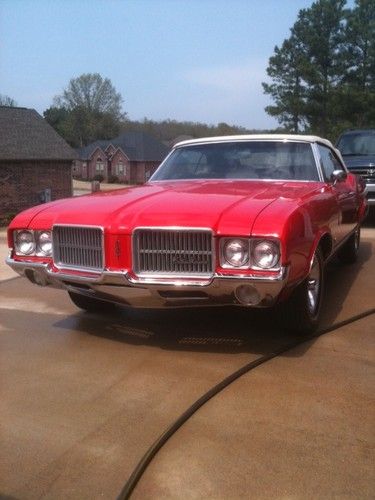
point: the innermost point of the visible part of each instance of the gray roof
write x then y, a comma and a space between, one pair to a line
25, 135
136, 145
85, 152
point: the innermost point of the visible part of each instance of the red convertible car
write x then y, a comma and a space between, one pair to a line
240, 220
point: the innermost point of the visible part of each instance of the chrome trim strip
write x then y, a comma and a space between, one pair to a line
225, 179
174, 282
175, 228
318, 164
282, 274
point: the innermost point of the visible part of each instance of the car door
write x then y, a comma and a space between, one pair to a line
343, 191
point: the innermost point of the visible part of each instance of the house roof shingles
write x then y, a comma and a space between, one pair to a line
25, 135
136, 145
85, 152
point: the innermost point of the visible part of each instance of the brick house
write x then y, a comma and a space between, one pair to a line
132, 157
35, 162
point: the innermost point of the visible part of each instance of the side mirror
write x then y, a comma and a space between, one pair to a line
338, 176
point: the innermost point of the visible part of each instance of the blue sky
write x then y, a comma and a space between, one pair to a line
198, 60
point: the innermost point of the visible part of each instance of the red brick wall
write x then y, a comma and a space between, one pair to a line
21, 183
80, 168
77, 168
141, 171
135, 172
91, 170
116, 158
109, 150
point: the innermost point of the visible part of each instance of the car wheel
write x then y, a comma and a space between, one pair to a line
90, 304
348, 253
301, 312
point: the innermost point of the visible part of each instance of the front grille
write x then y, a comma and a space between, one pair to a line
368, 174
78, 247
173, 252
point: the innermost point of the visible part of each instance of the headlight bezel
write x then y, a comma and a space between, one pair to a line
273, 244
17, 244
39, 249
251, 262
225, 260
37, 246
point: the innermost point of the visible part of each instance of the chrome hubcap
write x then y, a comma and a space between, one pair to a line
313, 286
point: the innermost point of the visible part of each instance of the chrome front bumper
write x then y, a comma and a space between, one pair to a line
120, 287
370, 192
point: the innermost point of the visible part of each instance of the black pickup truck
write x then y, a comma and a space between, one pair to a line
357, 147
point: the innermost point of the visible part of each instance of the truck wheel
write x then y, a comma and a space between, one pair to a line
348, 253
90, 304
301, 312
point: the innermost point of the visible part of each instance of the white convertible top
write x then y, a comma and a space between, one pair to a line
256, 137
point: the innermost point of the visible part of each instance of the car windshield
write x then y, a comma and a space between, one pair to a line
360, 144
240, 160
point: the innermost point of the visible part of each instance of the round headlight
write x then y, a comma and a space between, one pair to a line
266, 254
236, 252
25, 243
45, 243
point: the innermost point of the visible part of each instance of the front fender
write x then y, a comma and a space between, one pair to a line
301, 245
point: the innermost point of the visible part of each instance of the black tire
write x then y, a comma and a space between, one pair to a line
348, 253
90, 304
301, 312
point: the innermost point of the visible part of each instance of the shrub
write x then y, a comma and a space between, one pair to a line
113, 179
6, 218
98, 177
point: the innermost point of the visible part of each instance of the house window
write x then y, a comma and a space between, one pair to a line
120, 169
99, 165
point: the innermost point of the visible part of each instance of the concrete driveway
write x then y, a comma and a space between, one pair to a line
83, 396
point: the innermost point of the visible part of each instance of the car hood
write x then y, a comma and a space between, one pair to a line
365, 161
226, 206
